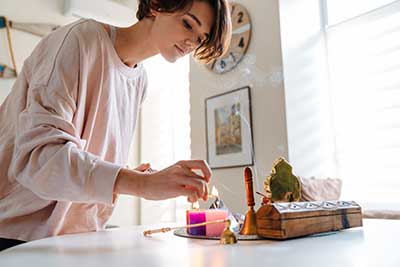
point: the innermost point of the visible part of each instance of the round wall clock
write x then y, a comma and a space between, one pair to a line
241, 33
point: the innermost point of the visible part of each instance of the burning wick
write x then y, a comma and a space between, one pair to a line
218, 203
214, 192
195, 205
214, 195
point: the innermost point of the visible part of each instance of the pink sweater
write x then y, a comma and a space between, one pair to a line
65, 132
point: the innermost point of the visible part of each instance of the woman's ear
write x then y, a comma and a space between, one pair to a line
151, 4
155, 12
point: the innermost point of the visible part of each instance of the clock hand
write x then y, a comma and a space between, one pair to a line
233, 56
242, 29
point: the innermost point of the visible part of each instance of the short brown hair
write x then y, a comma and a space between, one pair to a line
217, 43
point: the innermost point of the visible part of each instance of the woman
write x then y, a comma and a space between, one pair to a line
66, 127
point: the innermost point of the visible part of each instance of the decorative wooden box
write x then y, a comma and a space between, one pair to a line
294, 219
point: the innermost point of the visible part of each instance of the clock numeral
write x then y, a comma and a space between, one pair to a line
232, 10
222, 64
240, 15
213, 64
241, 42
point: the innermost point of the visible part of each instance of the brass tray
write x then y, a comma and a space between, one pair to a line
183, 233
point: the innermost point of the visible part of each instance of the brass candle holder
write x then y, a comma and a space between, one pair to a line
227, 236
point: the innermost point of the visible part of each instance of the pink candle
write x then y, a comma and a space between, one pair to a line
199, 216
218, 228
196, 216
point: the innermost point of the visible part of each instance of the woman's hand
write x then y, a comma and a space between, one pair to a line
176, 180
144, 167
179, 180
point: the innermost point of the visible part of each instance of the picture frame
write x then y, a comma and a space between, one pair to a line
229, 130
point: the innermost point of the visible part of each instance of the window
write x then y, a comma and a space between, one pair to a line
165, 130
342, 10
363, 44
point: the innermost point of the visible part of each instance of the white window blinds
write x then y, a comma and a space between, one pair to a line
364, 62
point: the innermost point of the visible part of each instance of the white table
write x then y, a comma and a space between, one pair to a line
375, 244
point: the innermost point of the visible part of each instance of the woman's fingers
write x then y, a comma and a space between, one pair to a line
143, 167
191, 194
193, 180
176, 180
198, 185
197, 165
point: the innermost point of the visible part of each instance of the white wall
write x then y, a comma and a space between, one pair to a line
117, 12
51, 11
46, 11
262, 71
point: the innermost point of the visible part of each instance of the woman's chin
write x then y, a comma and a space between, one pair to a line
170, 58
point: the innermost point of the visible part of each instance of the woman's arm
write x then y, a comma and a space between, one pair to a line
49, 157
176, 180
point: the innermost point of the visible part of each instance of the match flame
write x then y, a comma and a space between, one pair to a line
214, 192
195, 205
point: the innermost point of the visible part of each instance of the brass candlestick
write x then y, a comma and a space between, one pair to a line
227, 236
250, 223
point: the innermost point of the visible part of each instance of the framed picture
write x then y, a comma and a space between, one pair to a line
229, 129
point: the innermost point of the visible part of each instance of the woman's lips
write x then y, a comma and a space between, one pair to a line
180, 51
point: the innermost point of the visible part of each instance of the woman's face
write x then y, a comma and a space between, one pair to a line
178, 34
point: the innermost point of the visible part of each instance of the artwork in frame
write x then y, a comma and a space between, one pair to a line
229, 129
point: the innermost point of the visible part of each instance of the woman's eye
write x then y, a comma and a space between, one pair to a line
187, 25
199, 41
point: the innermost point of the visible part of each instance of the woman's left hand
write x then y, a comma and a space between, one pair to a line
144, 167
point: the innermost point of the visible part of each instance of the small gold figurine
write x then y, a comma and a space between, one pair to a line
227, 236
282, 185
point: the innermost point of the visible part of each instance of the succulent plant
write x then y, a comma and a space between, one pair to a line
282, 185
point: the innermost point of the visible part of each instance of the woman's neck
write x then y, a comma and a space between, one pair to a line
134, 44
